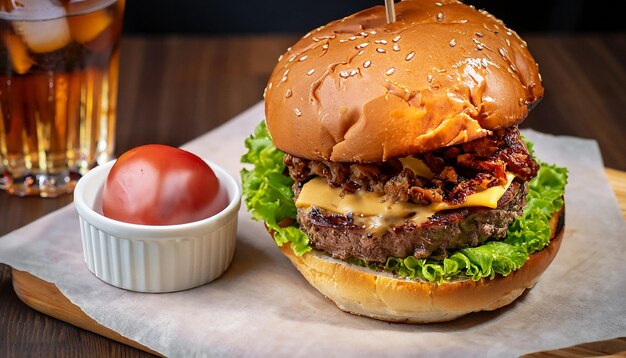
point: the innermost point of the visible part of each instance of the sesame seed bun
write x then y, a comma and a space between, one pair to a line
382, 296
362, 90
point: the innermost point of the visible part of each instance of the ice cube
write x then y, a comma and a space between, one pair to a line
87, 27
44, 35
20, 60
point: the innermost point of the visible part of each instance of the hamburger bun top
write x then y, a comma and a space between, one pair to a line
362, 90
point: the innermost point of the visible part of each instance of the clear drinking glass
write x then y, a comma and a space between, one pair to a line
58, 91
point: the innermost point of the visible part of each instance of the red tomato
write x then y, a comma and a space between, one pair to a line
161, 185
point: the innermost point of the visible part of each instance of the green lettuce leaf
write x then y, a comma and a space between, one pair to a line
268, 196
267, 192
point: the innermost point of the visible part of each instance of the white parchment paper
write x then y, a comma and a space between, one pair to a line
262, 305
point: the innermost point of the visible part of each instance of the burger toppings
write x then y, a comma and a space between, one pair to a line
376, 216
420, 206
346, 237
269, 197
447, 175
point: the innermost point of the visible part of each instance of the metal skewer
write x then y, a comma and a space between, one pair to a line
391, 11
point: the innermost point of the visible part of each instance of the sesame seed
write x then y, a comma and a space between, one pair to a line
452, 43
280, 58
352, 38
364, 34
285, 73
513, 68
380, 50
269, 85
344, 74
360, 53
297, 112
292, 57
343, 40
479, 34
384, 42
354, 72
441, 70
397, 38
288, 93
284, 79
315, 39
540, 77
479, 45
440, 17
429, 78
364, 44
438, 4
509, 33
409, 56
373, 32
396, 47
310, 72
367, 63
325, 46
502, 52
264, 92
288, 49
304, 57
464, 21
390, 71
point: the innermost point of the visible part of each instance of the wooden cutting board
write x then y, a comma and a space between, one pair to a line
46, 298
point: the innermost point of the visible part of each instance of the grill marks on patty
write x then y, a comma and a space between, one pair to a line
340, 237
459, 171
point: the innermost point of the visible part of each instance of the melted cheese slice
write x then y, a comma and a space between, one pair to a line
417, 166
376, 214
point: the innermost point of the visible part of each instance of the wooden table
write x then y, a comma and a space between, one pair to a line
173, 89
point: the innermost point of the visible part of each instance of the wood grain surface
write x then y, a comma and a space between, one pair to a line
173, 89
45, 297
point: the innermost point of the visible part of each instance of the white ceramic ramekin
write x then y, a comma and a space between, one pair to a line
149, 258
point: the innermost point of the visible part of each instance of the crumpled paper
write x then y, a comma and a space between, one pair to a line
262, 305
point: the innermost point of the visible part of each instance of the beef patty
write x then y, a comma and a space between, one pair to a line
340, 237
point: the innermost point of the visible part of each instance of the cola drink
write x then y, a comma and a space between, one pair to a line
58, 91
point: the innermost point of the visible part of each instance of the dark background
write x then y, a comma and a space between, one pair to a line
299, 16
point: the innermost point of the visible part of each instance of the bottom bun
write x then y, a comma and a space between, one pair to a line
386, 297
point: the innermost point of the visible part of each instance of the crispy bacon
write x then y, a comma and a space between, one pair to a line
460, 191
459, 171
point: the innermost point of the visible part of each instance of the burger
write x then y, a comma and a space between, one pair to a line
390, 168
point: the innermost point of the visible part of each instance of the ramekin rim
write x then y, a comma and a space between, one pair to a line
155, 232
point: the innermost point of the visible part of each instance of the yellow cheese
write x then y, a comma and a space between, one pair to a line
417, 166
318, 193
375, 213
487, 198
